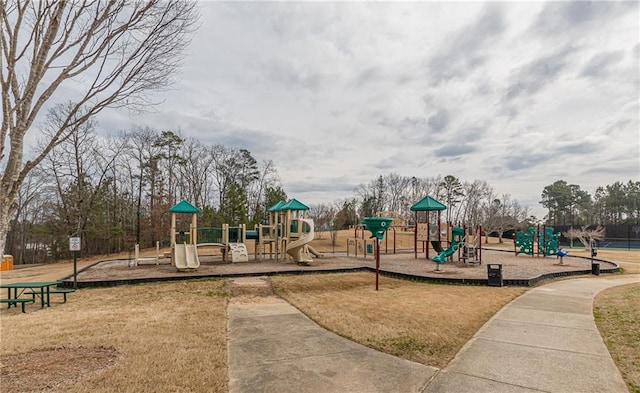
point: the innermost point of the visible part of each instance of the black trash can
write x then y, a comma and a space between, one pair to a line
494, 274
595, 268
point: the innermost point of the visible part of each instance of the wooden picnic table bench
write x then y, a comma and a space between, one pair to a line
15, 302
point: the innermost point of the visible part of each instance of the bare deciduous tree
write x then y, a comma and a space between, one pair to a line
323, 215
584, 235
501, 215
103, 53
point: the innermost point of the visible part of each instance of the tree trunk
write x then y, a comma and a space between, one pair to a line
7, 209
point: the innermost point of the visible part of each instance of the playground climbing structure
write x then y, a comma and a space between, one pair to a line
229, 239
540, 241
445, 239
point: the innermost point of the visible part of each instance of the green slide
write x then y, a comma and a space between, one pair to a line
457, 234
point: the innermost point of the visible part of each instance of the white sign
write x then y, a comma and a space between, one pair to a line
74, 244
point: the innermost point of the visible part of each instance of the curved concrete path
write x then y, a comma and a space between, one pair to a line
544, 341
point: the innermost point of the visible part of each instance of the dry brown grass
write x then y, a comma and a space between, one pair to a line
168, 337
629, 260
48, 272
421, 322
617, 314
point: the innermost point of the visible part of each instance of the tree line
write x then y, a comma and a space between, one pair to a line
470, 202
613, 204
115, 191
94, 55
477, 203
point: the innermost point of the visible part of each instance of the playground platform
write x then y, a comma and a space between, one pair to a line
516, 271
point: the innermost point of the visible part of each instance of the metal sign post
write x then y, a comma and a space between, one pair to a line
377, 261
74, 245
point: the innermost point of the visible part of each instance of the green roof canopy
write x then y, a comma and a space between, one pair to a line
183, 207
427, 204
277, 207
294, 204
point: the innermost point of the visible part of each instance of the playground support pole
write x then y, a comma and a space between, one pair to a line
386, 244
386, 241
377, 261
194, 229
428, 217
394, 240
415, 236
173, 230
480, 243
534, 239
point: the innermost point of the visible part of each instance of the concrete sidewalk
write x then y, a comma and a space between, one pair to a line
544, 341
273, 347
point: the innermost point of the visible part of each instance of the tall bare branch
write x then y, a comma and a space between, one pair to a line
109, 53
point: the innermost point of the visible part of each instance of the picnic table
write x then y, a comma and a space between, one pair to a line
41, 289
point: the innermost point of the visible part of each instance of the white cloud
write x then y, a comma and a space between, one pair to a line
517, 94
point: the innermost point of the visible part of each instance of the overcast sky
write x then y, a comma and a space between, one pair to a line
336, 94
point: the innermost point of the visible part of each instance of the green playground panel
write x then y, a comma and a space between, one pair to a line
235, 234
252, 234
209, 235
547, 241
377, 225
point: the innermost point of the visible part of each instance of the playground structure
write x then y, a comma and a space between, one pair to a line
463, 240
270, 234
288, 233
137, 259
425, 232
447, 240
536, 241
466, 240
184, 249
229, 240
182, 257
359, 245
290, 230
